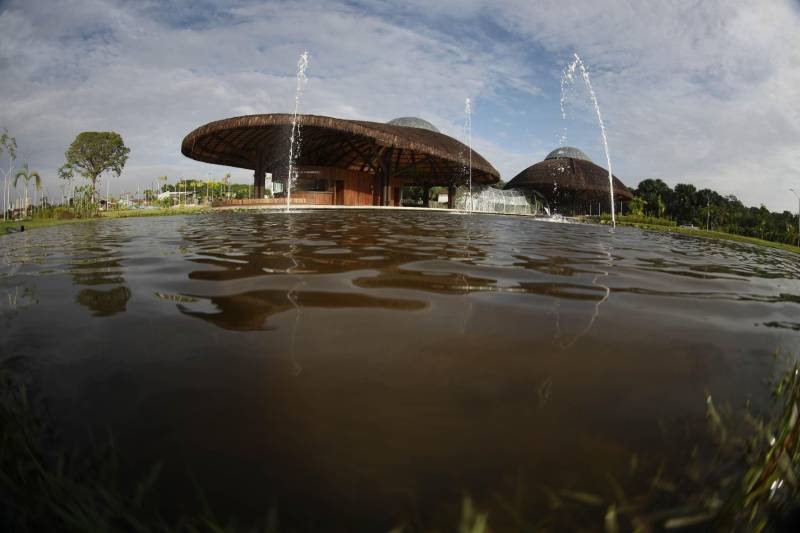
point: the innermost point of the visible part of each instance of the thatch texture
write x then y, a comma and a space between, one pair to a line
261, 141
581, 177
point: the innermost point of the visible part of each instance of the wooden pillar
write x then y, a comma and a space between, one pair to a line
426, 195
259, 179
387, 190
451, 195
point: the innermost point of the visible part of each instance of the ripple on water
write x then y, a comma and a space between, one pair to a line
377, 353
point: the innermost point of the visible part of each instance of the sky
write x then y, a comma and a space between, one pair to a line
699, 91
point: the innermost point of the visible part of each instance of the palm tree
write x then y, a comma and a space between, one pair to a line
226, 181
27, 175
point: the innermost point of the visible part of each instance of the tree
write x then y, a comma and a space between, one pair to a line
683, 205
66, 173
8, 144
651, 191
636, 205
94, 152
661, 207
27, 175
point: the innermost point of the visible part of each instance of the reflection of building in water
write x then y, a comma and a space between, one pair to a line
249, 311
341, 162
570, 182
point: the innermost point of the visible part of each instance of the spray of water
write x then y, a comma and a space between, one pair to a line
562, 139
574, 69
294, 140
468, 133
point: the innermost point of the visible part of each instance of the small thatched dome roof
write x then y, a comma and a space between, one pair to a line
568, 151
578, 175
413, 122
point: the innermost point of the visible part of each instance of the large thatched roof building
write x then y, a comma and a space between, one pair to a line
340, 162
570, 182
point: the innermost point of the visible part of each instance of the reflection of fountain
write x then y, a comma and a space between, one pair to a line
595, 313
568, 78
555, 198
292, 297
468, 132
294, 140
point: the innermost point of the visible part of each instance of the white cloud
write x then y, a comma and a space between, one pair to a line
705, 92
702, 91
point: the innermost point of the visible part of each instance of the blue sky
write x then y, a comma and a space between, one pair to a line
706, 92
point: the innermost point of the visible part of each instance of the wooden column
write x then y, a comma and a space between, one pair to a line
451, 195
259, 179
426, 195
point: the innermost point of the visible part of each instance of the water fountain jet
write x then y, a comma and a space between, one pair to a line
568, 78
294, 140
468, 132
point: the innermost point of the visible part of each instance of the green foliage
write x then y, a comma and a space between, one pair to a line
636, 206
686, 205
94, 152
412, 196
8, 144
639, 219
27, 175
66, 172
84, 204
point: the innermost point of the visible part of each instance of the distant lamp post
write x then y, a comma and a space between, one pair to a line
798, 215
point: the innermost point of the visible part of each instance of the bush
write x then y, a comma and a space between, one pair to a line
62, 213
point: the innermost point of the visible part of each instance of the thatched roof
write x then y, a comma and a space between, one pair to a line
332, 142
569, 174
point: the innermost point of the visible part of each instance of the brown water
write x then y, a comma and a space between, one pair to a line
360, 369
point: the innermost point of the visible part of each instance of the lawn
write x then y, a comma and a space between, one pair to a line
124, 213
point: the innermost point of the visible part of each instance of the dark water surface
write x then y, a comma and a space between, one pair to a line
360, 369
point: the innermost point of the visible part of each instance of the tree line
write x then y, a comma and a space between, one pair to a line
90, 155
705, 208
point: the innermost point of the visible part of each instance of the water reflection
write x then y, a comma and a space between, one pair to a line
99, 264
371, 364
249, 311
106, 302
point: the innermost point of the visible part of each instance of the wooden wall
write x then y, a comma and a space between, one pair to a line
358, 186
361, 188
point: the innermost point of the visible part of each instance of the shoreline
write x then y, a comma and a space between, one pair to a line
718, 235
37, 223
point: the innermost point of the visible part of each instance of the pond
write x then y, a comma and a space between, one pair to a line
360, 369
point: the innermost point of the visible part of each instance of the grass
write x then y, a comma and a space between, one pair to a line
697, 232
42, 488
36, 223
